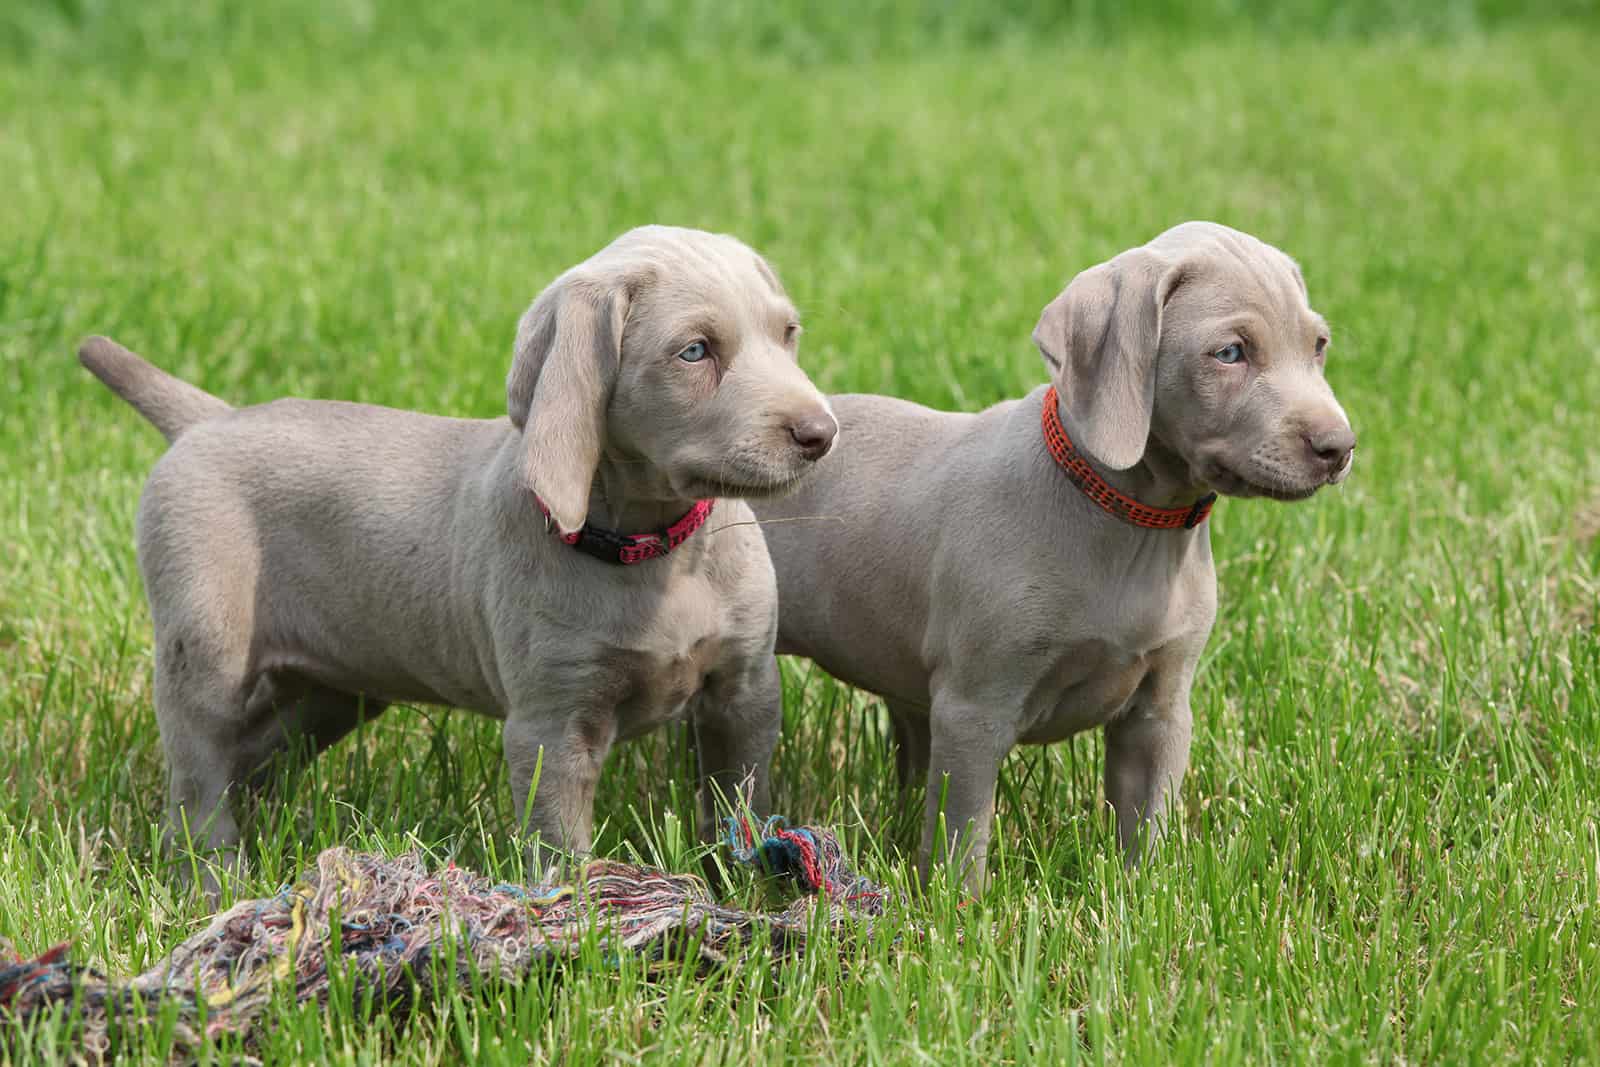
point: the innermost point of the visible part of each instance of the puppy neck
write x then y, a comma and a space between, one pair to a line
631, 496
1160, 479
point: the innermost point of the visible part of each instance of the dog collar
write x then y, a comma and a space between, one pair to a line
1096, 488
627, 549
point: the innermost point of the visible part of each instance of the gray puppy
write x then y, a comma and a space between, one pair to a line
1044, 567
309, 562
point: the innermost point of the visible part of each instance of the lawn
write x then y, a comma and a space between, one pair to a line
1388, 849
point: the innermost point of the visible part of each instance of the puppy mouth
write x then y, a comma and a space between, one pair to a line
754, 487
1235, 484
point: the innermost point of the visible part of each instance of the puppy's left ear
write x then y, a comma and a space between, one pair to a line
1100, 338
569, 346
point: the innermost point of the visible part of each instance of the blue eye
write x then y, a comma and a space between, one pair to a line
694, 353
1230, 355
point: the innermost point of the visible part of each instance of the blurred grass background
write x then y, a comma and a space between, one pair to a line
1389, 849
790, 32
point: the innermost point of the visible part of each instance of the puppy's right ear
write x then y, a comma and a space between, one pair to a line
569, 345
1100, 338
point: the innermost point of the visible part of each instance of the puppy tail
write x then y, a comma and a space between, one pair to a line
172, 404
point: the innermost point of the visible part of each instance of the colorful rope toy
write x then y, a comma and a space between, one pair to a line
401, 930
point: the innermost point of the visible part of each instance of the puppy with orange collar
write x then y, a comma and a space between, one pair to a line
1044, 567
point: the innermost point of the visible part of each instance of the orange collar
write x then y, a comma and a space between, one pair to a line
1096, 488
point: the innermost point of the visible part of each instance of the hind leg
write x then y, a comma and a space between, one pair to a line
911, 743
200, 697
287, 709
200, 569
214, 752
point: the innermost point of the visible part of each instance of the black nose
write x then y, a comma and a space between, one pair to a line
1331, 445
814, 434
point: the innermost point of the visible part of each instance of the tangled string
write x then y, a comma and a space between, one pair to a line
399, 930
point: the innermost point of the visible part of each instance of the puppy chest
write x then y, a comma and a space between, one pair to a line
1084, 679
1087, 687
660, 683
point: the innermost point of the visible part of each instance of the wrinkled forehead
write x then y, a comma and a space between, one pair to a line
688, 282
1227, 275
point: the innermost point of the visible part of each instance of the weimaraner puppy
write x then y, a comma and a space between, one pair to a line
310, 562
1043, 567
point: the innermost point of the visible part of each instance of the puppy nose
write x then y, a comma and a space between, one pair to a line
1331, 445
814, 434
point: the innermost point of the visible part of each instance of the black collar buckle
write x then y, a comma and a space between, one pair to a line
1198, 513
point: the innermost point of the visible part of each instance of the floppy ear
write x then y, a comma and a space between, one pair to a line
569, 344
1100, 338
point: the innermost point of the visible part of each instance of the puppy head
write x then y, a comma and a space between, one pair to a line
1203, 341
670, 347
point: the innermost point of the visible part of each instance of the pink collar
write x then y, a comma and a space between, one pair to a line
627, 549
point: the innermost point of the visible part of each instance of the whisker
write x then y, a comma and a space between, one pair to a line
773, 522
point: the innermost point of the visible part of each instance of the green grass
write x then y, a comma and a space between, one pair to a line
1389, 845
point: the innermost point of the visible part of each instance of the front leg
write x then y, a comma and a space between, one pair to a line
736, 724
1147, 752
967, 747
566, 750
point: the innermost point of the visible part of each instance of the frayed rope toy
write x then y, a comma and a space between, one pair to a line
403, 931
